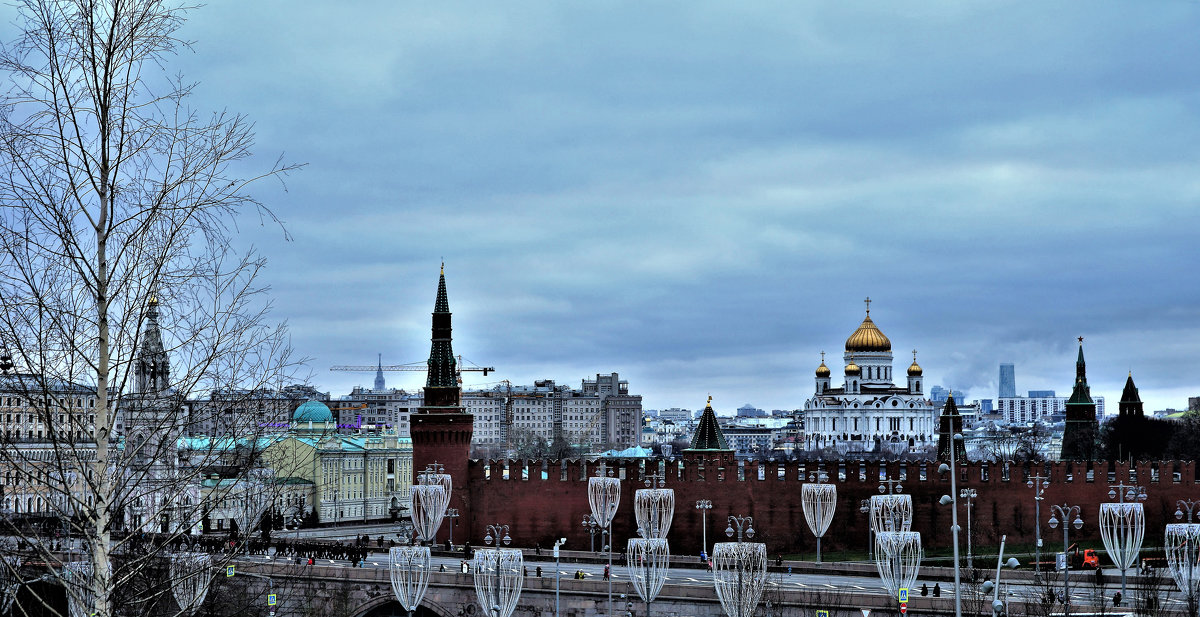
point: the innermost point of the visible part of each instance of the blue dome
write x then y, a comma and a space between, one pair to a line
313, 411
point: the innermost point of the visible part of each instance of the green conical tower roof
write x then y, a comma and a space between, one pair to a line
708, 435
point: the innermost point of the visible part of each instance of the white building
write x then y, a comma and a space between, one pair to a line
868, 408
1023, 409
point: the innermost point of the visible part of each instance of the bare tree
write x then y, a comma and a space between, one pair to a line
118, 211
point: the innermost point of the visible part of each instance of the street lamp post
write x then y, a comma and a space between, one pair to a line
969, 494
1185, 505
952, 500
452, 514
997, 605
1066, 511
557, 570
1038, 484
703, 505
593, 528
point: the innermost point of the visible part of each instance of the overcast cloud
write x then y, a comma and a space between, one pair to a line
699, 196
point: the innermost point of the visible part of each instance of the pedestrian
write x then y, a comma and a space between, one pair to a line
606, 572
539, 571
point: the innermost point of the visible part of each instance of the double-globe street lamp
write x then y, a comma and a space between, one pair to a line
704, 505
1038, 484
1066, 511
593, 527
969, 494
994, 586
952, 501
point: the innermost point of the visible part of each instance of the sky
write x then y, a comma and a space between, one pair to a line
700, 195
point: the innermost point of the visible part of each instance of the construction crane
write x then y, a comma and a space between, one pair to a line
416, 366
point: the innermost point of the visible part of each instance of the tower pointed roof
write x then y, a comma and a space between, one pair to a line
441, 385
1131, 403
380, 384
949, 425
442, 305
1082, 394
153, 368
708, 435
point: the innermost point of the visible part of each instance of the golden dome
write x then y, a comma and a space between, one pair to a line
823, 371
914, 370
852, 369
868, 337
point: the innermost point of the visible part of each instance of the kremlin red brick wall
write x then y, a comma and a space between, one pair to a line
544, 500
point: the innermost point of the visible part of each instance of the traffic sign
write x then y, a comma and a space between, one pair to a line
903, 595
866, 612
229, 570
270, 599
822, 613
1060, 561
903, 607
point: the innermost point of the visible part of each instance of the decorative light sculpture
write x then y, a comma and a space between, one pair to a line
9, 581
648, 560
435, 474
604, 495
191, 575
898, 557
429, 503
1122, 527
739, 574
654, 508
891, 513
410, 567
819, 501
251, 500
1182, 545
81, 596
499, 574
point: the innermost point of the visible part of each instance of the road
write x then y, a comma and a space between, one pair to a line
1082, 594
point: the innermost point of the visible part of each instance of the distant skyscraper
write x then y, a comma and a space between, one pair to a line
938, 394
379, 383
1042, 394
1008, 381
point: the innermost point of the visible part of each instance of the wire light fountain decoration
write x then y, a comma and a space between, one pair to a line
604, 495
10, 581
1122, 527
819, 501
499, 574
1182, 545
191, 575
81, 595
898, 557
251, 498
409, 568
739, 569
430, 498
648, 558
654, 508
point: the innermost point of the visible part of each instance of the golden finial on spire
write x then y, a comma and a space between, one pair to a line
710, 400
914, 356
868, 301
822, 357
443, 267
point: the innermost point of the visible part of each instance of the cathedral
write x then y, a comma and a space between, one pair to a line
869, 412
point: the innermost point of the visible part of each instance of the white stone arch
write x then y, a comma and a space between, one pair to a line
430, 605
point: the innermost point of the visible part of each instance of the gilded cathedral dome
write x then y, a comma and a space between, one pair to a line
868, 338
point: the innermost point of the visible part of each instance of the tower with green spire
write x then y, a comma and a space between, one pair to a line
708, 442
1082, 428
441, 430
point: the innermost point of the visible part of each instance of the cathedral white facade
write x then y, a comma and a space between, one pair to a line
869, 410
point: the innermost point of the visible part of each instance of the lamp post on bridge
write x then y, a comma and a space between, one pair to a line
1066, 511
704, 505
969, 494
1038, 484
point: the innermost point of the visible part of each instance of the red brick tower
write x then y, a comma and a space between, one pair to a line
441, 430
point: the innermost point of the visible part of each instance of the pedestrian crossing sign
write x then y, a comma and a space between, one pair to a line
229, 570
270, 599
903, 594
